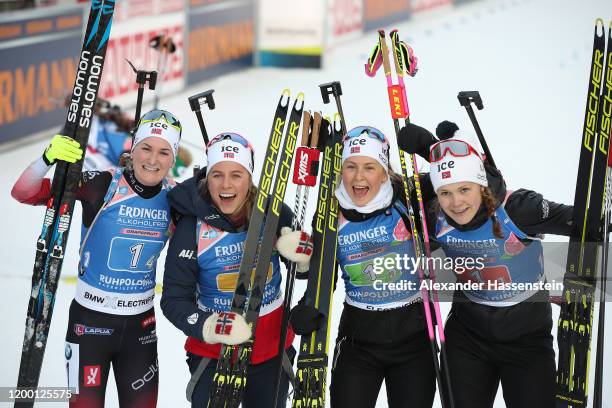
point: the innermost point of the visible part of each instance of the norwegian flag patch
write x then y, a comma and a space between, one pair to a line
446, 174
356, 149
228, 155
156, 131
224, 323
305, 245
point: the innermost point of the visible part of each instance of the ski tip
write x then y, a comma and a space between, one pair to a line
599, 26
286, 93
298, 105
381, 32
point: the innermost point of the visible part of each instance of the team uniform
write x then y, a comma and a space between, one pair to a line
200, 277
125, 226
111, 319
502, 334
382, 334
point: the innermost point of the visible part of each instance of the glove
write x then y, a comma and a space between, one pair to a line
446, 130
305, 319
62, 148
415, 139
296, 246
227, 328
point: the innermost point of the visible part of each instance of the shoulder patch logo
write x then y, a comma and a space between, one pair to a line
193, 318
186, 253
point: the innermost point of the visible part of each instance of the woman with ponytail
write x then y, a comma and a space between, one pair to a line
493, 334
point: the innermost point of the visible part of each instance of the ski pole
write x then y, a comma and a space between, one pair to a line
142, 77
465, 99
195, 102
405, 61
164, 45
334, 88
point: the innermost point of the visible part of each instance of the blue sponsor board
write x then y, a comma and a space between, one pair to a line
37, 69
221, 38
279, 59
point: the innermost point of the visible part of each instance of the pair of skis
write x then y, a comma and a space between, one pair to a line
229, 381
577, 304
311, 376
405, 63
51, 244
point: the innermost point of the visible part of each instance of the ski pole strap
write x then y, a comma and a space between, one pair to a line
288, 368
195, 377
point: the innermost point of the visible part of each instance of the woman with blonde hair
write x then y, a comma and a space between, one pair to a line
201, 271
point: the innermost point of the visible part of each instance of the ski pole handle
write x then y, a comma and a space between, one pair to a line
142, 77
334, 88
466, 98
195, 102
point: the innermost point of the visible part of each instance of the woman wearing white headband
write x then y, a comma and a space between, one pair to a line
382, 330
492, 335
126, 222
201, 270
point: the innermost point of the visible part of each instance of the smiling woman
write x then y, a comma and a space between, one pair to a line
501, 311
382, 330
214, 217
126, 223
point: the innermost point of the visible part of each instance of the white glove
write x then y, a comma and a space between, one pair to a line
227, 328
296, 246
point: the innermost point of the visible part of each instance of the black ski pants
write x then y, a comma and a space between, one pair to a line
487, 346
96, 340
359, 369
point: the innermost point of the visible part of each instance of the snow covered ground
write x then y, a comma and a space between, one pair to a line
528, 58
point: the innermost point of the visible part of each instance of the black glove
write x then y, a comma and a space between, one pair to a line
446, 129
305, 319
415, 139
